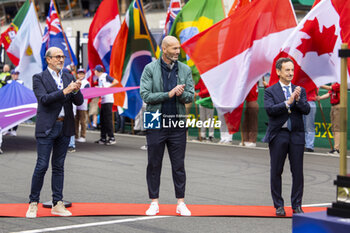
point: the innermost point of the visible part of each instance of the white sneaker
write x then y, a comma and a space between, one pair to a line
250, 144
240, 144
81, 140
32, 210
183, 210
225, 142
143, 147
60, 209
13, 133
153, 209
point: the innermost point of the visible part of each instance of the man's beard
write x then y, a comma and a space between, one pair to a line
171, 58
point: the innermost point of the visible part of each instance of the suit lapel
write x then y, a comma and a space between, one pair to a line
50, 79
280, 93
65, 79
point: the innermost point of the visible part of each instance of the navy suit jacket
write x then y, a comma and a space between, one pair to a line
274, 103
50, 102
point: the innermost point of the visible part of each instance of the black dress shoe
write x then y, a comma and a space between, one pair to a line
280, 211
298, 210
308, 150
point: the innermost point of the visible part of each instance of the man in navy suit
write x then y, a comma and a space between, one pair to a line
285, 105
55, 91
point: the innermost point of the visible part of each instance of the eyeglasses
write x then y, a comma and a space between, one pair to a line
59, 57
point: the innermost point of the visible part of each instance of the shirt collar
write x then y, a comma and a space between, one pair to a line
283, 85
54, 74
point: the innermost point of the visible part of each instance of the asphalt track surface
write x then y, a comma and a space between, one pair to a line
216, 175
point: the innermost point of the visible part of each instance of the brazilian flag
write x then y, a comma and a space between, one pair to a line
195, 17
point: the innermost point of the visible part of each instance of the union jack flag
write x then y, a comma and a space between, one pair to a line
173, 9
55, 37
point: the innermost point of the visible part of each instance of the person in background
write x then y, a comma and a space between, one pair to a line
309, 121
225, 136
81, 116
204, 113
71, 146
5, 73
250, 120
14, 77
107, 101
334, 95
138, 127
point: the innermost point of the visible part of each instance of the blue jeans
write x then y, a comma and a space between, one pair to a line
72, 142
309, 126
58, 143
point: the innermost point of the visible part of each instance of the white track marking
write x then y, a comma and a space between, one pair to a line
94, 224
318, 205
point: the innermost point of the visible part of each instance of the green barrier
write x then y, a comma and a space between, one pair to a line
320, 128
304, 2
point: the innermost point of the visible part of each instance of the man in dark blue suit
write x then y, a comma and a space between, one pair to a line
285, 105
55, 91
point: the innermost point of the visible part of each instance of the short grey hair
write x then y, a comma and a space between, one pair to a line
49, 51
282, 60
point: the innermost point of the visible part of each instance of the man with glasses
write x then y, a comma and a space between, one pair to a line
55, 91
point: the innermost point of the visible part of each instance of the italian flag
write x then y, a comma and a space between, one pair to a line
235, 53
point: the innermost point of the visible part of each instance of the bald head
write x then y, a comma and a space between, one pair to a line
6, 68
51, 51
169, 40
171, 49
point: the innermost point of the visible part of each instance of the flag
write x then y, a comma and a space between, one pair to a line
132, 51
313, 45
93, 92
17, 105
54, 36
195, 17
25, 46
173, 9
102, 33
10, 33
233, 54
237, 4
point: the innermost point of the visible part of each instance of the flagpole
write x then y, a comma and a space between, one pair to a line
223, 7
64, 34
146, 28
324, 121
36, 13
343, 112
119, 13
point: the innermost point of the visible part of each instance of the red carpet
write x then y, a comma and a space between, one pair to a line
99, 209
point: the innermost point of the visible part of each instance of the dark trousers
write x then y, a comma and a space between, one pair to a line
58, 144
175, 140
106, 120
279, 147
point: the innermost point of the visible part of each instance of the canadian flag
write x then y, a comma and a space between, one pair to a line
314, 44
235, 53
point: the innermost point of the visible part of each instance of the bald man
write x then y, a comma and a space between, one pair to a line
55, 91
166, 86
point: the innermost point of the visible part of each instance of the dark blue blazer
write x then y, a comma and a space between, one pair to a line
274, 103
50, 102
